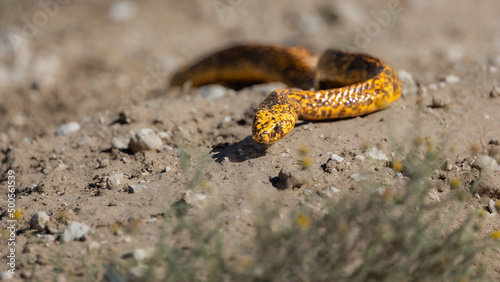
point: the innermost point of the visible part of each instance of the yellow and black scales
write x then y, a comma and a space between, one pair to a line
350, 84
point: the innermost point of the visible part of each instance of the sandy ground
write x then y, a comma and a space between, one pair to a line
106, 65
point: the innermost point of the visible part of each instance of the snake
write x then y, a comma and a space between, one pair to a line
337, 84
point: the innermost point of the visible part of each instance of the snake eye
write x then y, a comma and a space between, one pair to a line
278, 129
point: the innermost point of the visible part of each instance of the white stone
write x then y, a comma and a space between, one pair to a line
145, 140
121, 11
375, 154
120, 142
194, 200
359, 157
6, 276
335, 190
39, 221
483, 162
94, 245
357, 177
68, 128
114, 181
409, 85
137, 188
75, 231
212, 91
142, 254
336, 158
452, 78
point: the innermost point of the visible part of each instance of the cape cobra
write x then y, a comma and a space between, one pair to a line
341, 84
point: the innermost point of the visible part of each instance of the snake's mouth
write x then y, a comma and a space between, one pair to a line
270, 137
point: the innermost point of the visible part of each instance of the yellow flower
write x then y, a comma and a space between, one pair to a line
496, 234
206, 184
482, 212
303, 221
304, 150
397, 165
455, 182
116, 228
245, 261
306, 162
18, 214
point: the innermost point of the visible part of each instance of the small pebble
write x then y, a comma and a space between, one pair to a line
359, 157
75, 231
491, 207
6, 276
194, 200
336, 158
409, 86
225, 122
440, 100
163, 135
213, 91
114, 181
94, 245
452, 78
381, 190
85, 141
167, 169
387, 182
120, 142
289, 179
67, 128
152, 220
121, 11
483, 162
145, 140
103, 163
19, 120
494, 142
433, 194
375, 154
495, 92
137, 188
39, 221
47, 238
140, 254
357, 177
335, 190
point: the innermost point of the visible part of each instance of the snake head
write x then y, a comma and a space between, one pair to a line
272, 124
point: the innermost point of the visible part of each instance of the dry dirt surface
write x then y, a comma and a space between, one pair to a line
106, 65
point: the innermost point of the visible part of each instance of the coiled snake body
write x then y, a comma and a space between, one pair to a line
349, 84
